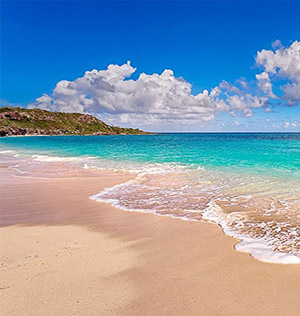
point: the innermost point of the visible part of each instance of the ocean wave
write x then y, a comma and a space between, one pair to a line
46, 158
256, 210
7, 151
258, 248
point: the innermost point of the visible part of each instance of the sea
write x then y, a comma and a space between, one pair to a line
247, 183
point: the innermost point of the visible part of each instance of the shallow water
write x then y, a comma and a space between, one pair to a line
247, 183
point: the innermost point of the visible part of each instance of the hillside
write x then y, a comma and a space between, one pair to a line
19, 121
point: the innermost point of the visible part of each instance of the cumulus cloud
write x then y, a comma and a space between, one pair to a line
264, 83
291, 124
284, 61
229, 87
245, 103
280, 72
281, 63
292, 92
152, 99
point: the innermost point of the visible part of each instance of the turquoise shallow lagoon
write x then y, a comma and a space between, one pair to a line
276, 154
247, 183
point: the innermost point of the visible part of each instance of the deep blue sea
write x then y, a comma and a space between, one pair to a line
247, 183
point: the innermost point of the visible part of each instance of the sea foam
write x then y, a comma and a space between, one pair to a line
181, 195
259, 250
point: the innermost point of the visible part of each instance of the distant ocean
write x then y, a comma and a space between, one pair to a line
249, 184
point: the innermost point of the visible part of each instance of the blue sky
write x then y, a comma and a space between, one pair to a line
203, 42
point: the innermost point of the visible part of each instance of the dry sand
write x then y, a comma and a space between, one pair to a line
63, 254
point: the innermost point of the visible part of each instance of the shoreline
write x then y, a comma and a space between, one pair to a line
258, 248
195, 260
121, 134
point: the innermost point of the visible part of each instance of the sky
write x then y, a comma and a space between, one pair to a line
159, 66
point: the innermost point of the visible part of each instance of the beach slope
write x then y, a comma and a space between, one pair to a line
64, 254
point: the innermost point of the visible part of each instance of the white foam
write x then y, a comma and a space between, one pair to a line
257, 248
53, 158
7, 151
115, 203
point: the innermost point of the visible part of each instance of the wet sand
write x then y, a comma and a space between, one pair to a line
64, 254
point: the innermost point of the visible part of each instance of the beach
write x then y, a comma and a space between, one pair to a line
65, 254
144, 171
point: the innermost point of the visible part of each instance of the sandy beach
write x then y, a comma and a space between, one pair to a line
64, 254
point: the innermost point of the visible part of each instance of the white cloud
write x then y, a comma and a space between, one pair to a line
229, 87
277, 44
292, 92
286, 124
264, 83
284, 61
245, 103
151, 98
294, 124
162, 98
281, 71
242, 82
291, 124
284, 64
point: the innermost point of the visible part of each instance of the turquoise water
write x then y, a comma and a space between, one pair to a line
249, 184
274, 154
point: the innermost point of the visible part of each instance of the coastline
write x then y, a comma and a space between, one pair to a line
124, 263
257, 247
121, 134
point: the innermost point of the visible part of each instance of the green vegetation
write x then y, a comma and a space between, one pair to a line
19, 121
